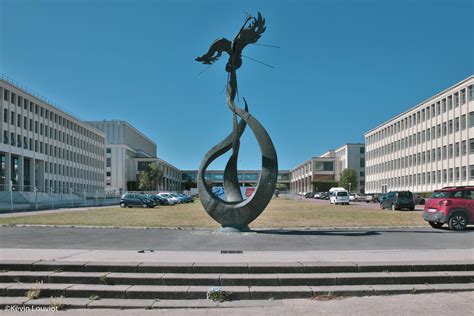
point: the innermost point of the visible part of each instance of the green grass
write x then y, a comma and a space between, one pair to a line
279, 213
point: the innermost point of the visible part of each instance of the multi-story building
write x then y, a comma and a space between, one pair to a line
44, 147
128, 151
426, 147
247, 178
328, 167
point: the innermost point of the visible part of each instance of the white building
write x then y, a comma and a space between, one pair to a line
328, 167
427, 147
128, 151
42, 146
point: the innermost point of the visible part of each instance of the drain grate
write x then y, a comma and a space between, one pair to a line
227, 252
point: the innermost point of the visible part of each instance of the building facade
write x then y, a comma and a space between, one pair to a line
44, 148
247, 178
328, 167
129, 151
427, 147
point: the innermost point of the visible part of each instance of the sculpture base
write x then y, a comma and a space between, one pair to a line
234, 229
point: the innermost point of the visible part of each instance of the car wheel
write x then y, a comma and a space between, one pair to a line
412, 208
122, 205
457, 221
381, 206
145, 205
436, 224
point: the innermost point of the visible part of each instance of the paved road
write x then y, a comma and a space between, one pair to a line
208, 240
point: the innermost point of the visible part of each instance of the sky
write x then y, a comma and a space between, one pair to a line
343, 67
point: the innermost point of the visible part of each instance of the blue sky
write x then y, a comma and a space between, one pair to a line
343, 67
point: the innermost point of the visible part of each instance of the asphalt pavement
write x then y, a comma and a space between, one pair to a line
34, 237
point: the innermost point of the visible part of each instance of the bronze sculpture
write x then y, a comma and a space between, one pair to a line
234, 213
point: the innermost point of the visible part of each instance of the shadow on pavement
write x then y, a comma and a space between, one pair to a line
315, 232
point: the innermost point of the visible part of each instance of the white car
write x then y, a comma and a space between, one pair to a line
171, 199
317, 195
338, 196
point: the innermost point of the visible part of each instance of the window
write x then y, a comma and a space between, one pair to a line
471, 119
463, 121
362, 162
5, 137
109, 162
456, 149
471, 145
5, 115
471, 172
463, 147
12, 117
108, 174
108, 150
6, 94
463, 173
456, 124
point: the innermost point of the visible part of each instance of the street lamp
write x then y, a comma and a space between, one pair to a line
350, 186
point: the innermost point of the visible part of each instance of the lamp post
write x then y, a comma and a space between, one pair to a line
350, 186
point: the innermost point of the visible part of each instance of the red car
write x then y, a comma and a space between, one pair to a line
451, 205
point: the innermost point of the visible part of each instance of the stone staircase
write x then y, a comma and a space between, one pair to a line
183, 285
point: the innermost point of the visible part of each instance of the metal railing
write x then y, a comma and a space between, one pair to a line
17, 200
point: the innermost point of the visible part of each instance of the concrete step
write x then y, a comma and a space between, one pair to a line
238, 267
154, 292
234, 279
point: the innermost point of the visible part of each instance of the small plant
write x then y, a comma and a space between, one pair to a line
3, 270
56, 303
413, 291
105, 280
217, 294
35, 291
94, 297
58, 270
327, 297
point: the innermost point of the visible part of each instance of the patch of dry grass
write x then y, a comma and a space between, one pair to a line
279, 213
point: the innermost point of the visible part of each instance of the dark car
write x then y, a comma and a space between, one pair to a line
451, 205
158, 199
324, 195
135, 199
419, 200
397, 200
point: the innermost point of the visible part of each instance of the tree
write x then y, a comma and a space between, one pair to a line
348, 179
150, 178
190, 183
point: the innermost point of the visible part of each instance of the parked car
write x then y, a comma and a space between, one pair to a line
359, 197
380, 197
171, 199
158, 199
309, 195
180, 198
135, 199
324, 195
450, 205
189, 198
317, 195
397, 200
419, 200
351, 196
339, 196
369, 198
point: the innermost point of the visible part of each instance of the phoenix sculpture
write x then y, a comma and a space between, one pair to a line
234, 213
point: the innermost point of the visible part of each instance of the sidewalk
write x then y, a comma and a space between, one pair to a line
130, 256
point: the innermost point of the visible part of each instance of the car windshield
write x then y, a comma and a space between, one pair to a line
446, 194
165, 195
342, 193
405, 195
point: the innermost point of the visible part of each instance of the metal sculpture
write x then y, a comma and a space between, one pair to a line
234, 213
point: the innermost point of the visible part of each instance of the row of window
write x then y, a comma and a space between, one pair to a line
435, 154
48, 149
433, 177
26, 104
68, 171
53, 133
446, 128
430, 111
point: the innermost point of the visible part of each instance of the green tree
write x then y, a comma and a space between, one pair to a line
150, 178
348, 179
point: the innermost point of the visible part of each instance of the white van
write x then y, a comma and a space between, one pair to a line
338, 196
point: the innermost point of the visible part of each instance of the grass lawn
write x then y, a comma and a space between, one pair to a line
279, 214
